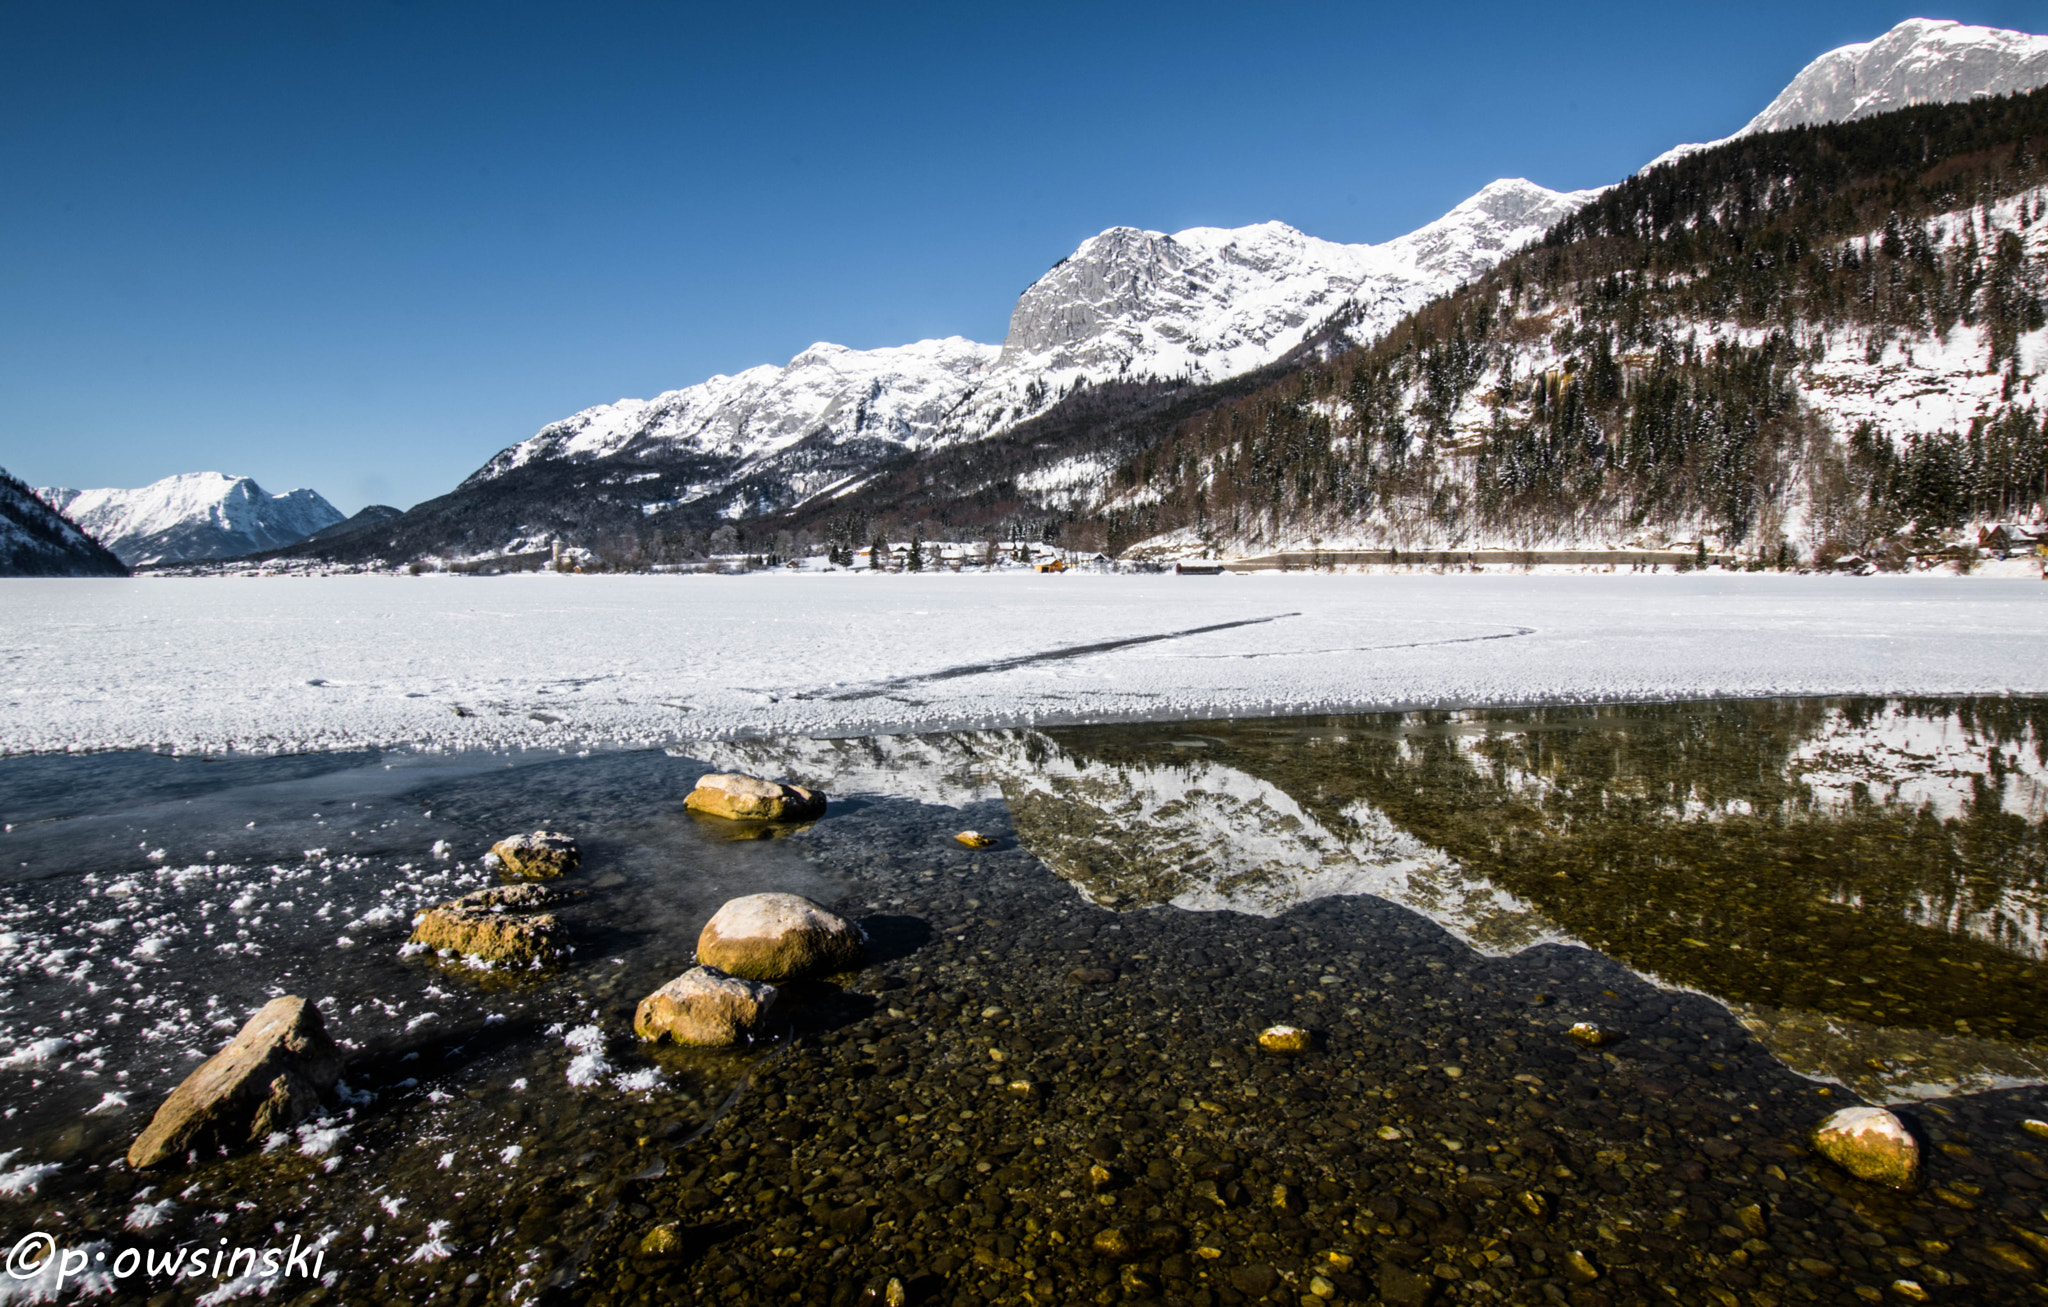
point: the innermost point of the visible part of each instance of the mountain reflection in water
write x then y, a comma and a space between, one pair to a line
1860, 880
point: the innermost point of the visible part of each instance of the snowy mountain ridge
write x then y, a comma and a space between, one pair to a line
1920, 61
1205, 304
192, 516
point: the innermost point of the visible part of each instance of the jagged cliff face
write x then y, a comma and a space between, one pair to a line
194, 516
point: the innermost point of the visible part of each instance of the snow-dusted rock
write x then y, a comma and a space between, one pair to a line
542, 855
749, 798
704, 1007
197, 515
778, 937
500, 926
1870, 1144
268, 1078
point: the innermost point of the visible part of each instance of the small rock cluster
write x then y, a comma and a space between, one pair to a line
750, 945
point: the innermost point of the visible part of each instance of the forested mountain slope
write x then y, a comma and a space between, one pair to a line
1821, 340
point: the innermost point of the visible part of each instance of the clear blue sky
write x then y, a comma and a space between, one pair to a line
362, 247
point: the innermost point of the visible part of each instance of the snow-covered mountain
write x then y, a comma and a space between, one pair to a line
37, 540
1205, 304
1921, 61
193, 516
1198, 306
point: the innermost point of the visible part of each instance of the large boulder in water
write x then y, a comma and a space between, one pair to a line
749, 798
778, 937
268, 1078
705, 1008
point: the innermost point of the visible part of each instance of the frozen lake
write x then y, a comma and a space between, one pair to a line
574, 661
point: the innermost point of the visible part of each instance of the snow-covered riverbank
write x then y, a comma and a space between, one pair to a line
544, 660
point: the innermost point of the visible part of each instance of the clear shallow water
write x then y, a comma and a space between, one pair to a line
1861, 882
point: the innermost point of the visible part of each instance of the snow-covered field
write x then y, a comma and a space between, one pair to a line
544, 660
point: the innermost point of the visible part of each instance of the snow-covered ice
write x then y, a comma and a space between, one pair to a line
555, 661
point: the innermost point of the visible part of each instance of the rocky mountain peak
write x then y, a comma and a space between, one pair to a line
1920, 61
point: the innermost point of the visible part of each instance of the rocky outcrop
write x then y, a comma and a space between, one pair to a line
1870, 1144
503, 926
542, 855
706, 1008
268, 1078
749, 798
779, 937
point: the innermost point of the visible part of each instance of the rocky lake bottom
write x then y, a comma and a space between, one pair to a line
1046, 1086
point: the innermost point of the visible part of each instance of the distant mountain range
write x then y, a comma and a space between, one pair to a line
1123, 352
1133, 332
192, 517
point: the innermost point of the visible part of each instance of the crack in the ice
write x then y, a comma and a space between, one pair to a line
882, 689
1512, 634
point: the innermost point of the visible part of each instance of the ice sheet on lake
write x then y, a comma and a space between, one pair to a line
455, 662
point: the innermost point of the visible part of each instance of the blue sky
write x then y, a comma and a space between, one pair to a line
362, 247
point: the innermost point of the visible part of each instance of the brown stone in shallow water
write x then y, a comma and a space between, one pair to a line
502, 925
268, 1078
542, 855
1590, 1034
1284, 1039
1870, 1144
778, 937
705, 1008
749, 798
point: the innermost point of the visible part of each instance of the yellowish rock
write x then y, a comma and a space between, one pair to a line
542, 855
974, 839
1534, 1203
1910, 1290
2038, 1129
749, 798
1284, 1039
1870, 1144
1578, 1266
662, 1241
1590, 1034
705, 1008
269, 1077
503, 926
779, 937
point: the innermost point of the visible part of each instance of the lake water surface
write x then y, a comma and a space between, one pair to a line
1781, 905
